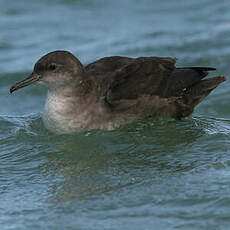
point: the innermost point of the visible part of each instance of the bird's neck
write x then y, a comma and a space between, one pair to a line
62, 107
78, 88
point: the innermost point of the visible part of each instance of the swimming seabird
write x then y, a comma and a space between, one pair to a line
113, 91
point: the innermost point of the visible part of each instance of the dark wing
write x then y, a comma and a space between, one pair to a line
129, 78
107, 65
122, 78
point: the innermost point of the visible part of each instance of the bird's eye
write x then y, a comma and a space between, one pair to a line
52, 66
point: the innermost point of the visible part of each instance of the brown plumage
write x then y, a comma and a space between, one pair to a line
116, 90
151, 85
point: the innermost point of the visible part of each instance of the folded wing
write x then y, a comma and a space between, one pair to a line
122, 81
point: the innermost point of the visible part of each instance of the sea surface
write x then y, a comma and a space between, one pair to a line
154, 174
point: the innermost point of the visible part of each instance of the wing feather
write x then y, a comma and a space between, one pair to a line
120, 79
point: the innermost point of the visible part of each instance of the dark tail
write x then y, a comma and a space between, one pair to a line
195, 94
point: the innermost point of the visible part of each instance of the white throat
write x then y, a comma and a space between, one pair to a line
62, 113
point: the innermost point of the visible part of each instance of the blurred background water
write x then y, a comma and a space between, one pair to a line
155, 174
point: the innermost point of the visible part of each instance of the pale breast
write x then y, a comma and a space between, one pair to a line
59, 115
71, 115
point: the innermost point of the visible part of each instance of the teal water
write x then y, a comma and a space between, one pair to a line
154, 174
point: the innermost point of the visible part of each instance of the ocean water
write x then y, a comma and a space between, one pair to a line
154, 174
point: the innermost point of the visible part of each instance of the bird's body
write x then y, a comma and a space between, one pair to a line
116, 90
64, 114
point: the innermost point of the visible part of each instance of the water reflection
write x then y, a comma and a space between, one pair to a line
99, 162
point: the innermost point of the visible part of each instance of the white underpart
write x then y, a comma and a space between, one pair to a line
65, 114
58, 116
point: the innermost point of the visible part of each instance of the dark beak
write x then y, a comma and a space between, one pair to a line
29, 80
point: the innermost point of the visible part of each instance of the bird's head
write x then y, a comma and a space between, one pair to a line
55, 70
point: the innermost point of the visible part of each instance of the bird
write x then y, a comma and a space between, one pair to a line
113, 91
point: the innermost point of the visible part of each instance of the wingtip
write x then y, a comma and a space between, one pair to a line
198, 68
204, 68
209, 68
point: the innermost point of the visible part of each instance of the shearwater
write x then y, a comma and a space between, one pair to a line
113, 91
